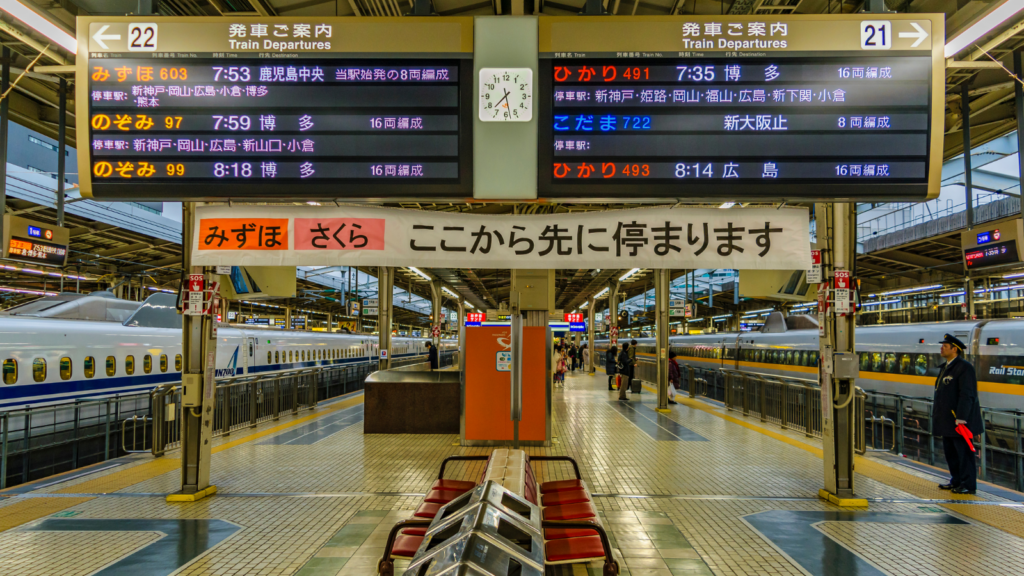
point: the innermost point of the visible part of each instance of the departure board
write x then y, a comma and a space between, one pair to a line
742, 108
281, 108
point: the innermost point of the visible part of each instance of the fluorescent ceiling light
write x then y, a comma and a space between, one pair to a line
762, 310
1014, 275
884, 302
628, 274
417, 270
445, 289
918, 289
727, 204
470, 305
30, 18
983, 26
694, 320
950, 294
601, 293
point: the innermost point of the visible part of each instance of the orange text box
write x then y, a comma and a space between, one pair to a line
243, 234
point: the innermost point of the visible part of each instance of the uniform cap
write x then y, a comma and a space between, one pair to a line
950, 339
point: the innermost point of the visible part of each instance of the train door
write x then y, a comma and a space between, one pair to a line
249, 355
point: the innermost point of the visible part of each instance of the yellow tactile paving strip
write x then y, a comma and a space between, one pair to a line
19, 512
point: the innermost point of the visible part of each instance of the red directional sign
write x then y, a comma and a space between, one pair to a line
573, 317
476, 316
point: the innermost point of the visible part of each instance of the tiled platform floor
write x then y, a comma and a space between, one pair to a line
725, 496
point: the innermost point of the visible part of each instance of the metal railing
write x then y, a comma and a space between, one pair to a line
1000, 450
36, 442
790, 403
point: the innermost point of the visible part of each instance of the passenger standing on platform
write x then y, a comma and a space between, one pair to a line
623, 367
632, 360
956, 402
574, 354
610, 360
432, 356
586, 357
673, 377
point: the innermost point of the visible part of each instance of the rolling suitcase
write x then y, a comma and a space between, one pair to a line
635, 386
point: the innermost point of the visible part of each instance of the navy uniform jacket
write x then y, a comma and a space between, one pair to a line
432, 357
956, 389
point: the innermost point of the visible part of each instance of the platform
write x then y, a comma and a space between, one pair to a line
696, 491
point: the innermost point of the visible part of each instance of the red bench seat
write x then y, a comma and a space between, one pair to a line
567, 497
459, 485
415, 531
574, 549
562, 533
579, 511
427, 510
560, 486
442, 496
406, 545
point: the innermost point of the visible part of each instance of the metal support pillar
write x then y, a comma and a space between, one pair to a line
385, 295
1018, 93
287, 317
436, 296
330, 322
968, 307
62, 95
461, 322
661, 326
965, 111
838, 393
199, 357
613, 312
591, 304
5, 84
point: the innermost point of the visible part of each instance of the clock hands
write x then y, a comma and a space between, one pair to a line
505, 100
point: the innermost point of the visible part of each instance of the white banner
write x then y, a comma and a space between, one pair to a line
660, 237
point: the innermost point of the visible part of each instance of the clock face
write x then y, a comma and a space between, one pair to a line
506, 95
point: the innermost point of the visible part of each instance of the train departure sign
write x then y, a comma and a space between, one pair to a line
193, 108
34, 242
727, 108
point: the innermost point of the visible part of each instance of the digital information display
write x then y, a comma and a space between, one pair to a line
34, 242
284, 108
992, 254
724, 108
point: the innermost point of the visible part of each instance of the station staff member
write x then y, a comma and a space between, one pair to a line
956, 402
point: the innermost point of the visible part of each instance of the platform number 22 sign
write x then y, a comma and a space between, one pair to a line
875, 35
142, 37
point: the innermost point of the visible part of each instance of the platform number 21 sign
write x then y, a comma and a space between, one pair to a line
875, 35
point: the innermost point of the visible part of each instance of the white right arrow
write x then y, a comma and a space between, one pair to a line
920, 35
99, 37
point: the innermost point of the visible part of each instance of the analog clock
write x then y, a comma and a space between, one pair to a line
506, 95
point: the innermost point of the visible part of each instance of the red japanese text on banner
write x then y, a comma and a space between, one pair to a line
339, 233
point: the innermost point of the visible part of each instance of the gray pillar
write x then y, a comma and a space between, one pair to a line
199, 348
965, 111
613, 312
436, 296
385, 294
5, 73
62, 95
661, 326
838, 431
1018, 93
969, 298
461, 322
590, 334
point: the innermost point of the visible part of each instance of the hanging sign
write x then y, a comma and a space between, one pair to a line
370, 311
370, 302
661, 237
822, 309
435, 331
814, 272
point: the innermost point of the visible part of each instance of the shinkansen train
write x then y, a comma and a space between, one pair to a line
55, 360
898, 359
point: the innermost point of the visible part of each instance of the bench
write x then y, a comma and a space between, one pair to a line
572, 531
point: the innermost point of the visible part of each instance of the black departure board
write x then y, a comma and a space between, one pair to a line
308, 127
992, 254
735, 126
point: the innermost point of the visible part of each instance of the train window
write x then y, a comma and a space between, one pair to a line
890, 362
876, 361
163, 362
812, 357
177, 362
801, 358
865, 361
129, 365
291, 356
65, 368
789, 357
904, 363
10, 371
89, 366
270, 357
147, 363
39, 369
251, 350
111, 366
921, 365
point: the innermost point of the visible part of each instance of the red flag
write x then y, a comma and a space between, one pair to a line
963, 431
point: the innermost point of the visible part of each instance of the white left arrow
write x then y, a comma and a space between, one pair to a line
99, 37
920, 35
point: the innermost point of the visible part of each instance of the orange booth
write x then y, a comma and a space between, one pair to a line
487, 362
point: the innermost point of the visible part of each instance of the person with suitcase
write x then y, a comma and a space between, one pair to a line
610, 360
624, 368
